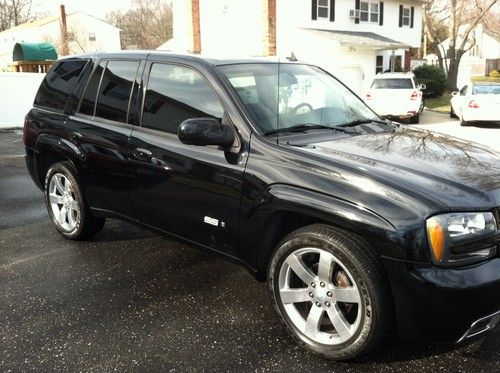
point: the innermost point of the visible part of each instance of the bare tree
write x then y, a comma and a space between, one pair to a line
147, 25
14, 12
459, 18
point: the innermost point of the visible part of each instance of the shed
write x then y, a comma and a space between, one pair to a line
33, 57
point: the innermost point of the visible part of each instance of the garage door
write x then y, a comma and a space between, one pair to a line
350, 76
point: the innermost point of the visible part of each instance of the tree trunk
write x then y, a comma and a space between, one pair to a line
453, 73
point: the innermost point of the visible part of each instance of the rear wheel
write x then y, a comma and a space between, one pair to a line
415, 119
329, 290
66, 205
452, 113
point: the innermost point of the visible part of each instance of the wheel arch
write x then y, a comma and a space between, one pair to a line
51, 149
294, 208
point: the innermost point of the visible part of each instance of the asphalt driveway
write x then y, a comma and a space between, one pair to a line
132, 300
483, 133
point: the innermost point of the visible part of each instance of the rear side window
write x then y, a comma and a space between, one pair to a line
392, 83
58, 84
176, 93
114, 92
90, 95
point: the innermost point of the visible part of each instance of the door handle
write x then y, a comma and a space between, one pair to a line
75, 136
143, 154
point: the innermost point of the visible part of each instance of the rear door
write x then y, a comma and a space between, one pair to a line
101, 128
189, 191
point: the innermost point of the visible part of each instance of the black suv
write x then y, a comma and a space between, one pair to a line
361, 227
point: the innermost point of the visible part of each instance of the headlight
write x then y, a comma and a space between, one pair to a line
450, 237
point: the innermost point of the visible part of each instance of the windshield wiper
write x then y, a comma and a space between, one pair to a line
302, 127
357, 122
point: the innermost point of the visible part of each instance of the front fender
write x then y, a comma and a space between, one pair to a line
281, 200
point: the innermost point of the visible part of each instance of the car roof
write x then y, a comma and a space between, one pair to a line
216, 61
394, 75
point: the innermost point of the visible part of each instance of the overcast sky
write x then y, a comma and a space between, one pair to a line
97, 8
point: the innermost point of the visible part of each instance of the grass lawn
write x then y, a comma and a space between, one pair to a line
441, 104
490, 79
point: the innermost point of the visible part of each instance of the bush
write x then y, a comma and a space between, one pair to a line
494, 74
433, 77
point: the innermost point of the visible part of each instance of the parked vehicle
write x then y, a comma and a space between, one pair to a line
479, 101
360, 226
397, 96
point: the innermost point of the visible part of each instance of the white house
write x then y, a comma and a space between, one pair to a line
353, 39
474, 61
85, 34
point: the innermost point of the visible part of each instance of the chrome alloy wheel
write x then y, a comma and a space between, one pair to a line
320, 296
64, 205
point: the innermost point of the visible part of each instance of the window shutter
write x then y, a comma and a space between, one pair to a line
412, 16
357, 5
332, 10
400, 16
314, 9
381, 15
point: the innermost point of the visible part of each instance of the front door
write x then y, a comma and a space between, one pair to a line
189, 191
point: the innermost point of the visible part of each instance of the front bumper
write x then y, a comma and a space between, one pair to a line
444, 304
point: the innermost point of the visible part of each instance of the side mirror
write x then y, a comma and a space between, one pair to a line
205, 131
422, 87
454, 93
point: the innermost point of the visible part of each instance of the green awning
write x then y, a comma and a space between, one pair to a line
34, 52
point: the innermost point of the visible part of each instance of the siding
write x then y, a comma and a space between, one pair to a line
299, 15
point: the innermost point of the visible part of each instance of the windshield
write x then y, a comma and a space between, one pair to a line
486, 89
392, 83
280, 96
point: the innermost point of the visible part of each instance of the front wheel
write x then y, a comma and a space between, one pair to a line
328, 288
66, 205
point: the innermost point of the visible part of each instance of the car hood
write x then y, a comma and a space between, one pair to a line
447, 171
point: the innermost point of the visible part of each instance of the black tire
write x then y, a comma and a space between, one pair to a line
364, 266
464, 123
452, 113
87, 225
415, 119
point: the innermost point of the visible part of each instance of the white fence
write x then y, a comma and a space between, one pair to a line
17, 92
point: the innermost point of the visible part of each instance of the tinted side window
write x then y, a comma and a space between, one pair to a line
89, 96
58, 84
177, 93
114, 93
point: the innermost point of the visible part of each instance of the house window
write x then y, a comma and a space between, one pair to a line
379, 64
91, 36
323, 8
368, 12
406, 16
